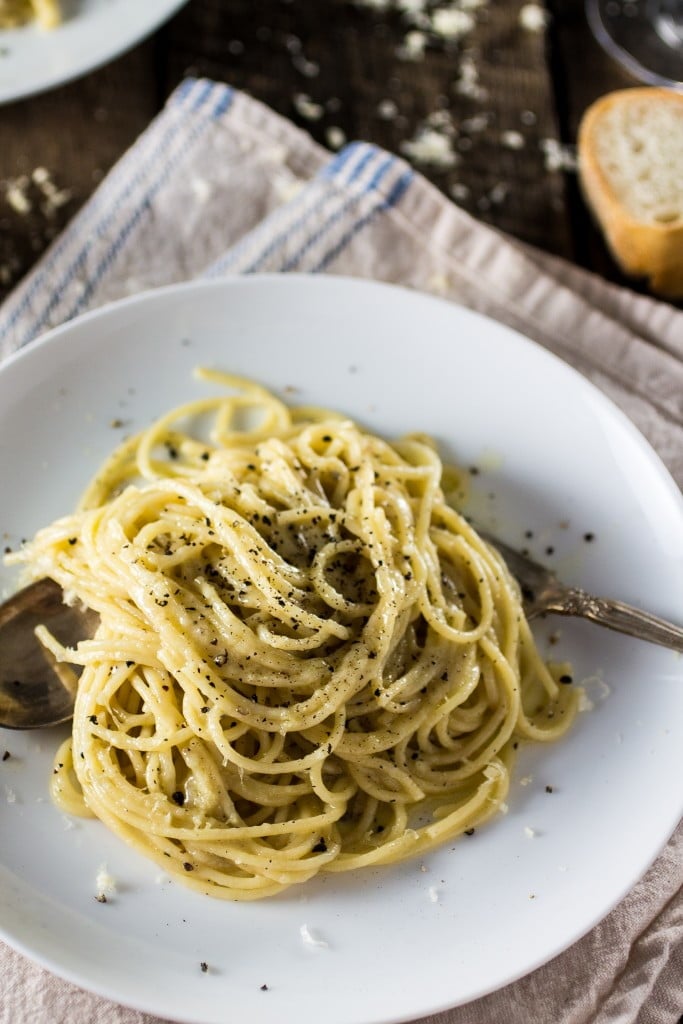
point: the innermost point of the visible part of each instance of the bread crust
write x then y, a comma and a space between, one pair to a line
650, 250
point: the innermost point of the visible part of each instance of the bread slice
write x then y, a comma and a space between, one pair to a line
631, 169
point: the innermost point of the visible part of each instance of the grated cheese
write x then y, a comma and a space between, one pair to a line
105, 884
307, 108
533, 17
309, 939
430, 148
451, 23
512, 140
413, 47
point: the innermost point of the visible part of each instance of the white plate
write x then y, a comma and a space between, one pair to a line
425, 935
92, 33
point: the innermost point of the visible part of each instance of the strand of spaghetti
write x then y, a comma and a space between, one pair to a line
307, 661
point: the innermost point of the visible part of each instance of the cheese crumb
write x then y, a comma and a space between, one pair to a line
439, 284
105, 884
16, 195
307, 68
53, 196
286, 187
512, 140
335, 137
498, 193
557, 156
309, 939
430, 148
201, 189
433, 894
307, 108
533, 17
414, 10
592, 689
467, 83
451, 23
387, 110
413, 46
460, 191
478, 123
530, 833
527, 780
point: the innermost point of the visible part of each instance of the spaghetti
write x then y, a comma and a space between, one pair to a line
16, 12
308, 661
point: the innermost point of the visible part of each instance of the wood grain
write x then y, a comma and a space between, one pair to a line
347, 59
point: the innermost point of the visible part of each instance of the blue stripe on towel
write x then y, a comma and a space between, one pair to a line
343, 210
349, 171
393, 197
342, 171
144, 203
286, 216
384, 200
192, 93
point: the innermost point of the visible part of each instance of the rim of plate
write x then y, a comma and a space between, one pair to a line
103, 46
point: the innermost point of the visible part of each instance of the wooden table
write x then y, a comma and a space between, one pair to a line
498, 95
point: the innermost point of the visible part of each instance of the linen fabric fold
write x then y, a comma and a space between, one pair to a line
219, 184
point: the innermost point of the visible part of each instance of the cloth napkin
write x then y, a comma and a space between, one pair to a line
220, 184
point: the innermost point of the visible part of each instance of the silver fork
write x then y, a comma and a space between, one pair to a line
543, 592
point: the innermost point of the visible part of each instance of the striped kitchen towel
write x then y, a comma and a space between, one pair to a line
219, 184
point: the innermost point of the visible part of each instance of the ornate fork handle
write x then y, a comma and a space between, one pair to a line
616, 615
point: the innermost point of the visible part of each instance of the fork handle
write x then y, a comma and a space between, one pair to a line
621, 617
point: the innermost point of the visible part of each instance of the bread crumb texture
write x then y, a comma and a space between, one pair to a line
630, 162
640, 145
